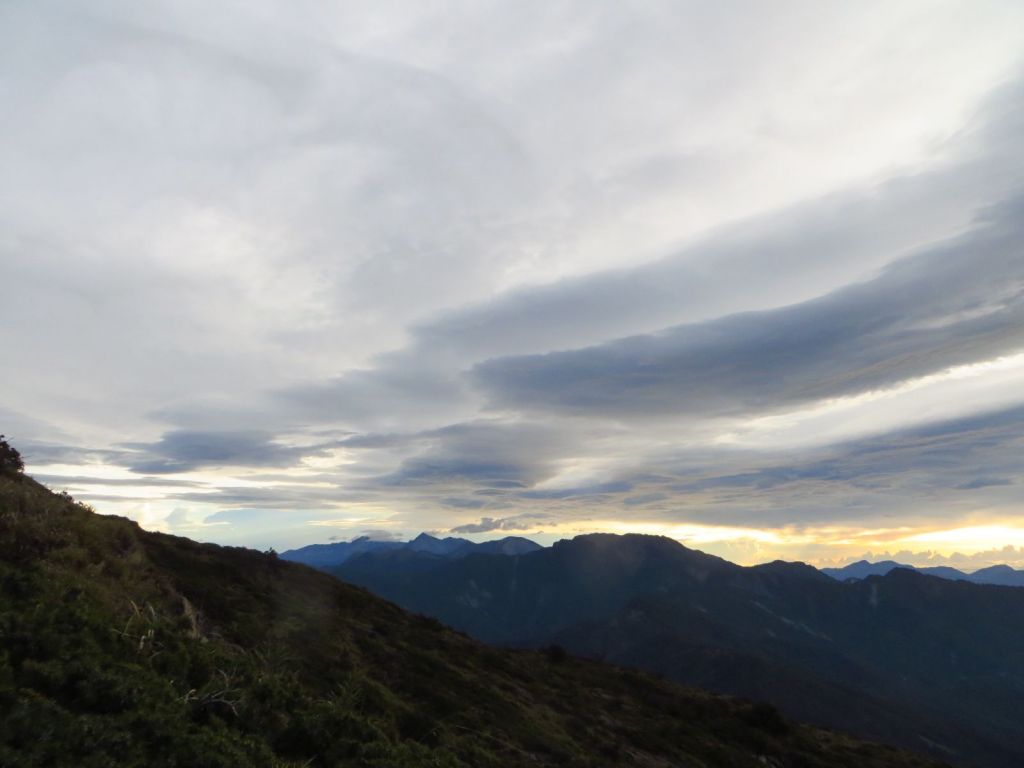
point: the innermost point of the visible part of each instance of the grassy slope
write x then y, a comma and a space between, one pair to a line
122, 647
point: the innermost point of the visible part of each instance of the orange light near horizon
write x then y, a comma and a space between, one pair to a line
825, 545
972, 538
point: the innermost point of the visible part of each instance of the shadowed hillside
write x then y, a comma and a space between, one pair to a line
904, 658
122, 647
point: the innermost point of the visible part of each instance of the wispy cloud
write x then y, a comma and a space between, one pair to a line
186, 450
957, 303
524, 522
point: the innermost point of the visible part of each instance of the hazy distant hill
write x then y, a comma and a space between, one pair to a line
1002, 575
925, 662
122, 647
998, 574
323, 555
327, 555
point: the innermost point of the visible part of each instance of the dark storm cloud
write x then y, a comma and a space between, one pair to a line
961, 302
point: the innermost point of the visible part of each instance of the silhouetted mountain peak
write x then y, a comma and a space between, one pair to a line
624, 544
862, 569
435, 546
634, 557
510, 545
785, 567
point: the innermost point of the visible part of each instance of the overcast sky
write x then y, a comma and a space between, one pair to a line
747, 274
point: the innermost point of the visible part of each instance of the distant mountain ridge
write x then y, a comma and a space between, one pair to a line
328, 555
1001, 575
903, 657
336, 553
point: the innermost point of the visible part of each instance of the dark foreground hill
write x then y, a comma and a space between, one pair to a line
122, 647
904, 658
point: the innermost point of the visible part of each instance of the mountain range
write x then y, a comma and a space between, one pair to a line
907, 658
1002, 575
122, 647
327, 555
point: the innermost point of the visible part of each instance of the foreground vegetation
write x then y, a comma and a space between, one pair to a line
122, 647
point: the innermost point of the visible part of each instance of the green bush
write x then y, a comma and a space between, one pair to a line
10, 460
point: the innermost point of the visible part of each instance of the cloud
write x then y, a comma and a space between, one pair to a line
184, 451
959, 302
274, 496
984, 482
761, 264
1008, 555
376, 534
647, 498
262, 517
470, 260
138, 481
39, 453
904, 473
185, 521
597, 489
525, 522
484, 454
462, 503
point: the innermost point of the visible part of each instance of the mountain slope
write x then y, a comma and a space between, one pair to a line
905, 658
122, 647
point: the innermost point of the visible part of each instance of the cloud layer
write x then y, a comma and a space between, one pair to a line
274, 274
958, 303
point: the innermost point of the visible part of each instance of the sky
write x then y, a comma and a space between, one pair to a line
746, 274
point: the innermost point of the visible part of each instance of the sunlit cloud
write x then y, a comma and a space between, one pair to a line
952, 392
970, 539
